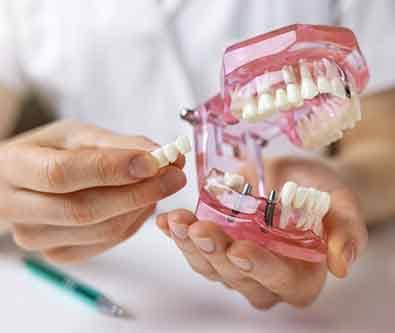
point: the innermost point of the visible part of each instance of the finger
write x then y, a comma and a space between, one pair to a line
213, 244
178, 224
346, 232
62, 171
161, 222
42, 237
92, 205
80, 253
296, 282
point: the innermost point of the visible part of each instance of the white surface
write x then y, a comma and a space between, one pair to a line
148, 276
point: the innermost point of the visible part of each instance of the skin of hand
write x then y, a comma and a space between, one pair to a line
264, 278
73, 190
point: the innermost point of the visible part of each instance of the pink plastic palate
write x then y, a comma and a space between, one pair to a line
224, 143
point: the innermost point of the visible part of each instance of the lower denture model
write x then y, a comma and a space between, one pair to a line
301, 82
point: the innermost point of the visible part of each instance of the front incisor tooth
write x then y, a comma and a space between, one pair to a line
324, 86
160, 157
266, 104
250, 111
293, 94
338, 89
308, 88
171, 152
281, 100
288, 192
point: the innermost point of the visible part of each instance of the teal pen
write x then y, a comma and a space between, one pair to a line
82, 291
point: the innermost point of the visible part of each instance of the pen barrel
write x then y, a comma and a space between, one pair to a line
53, 275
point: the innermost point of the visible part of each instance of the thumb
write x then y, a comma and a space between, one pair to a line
346, 232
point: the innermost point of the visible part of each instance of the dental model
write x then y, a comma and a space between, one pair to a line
169, 153
300, 82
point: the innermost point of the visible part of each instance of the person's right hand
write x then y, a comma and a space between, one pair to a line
72, 190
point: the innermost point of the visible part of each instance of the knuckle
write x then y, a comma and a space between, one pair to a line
105, 170
78, 212
135, 197
206, 272
237, 282
55, 173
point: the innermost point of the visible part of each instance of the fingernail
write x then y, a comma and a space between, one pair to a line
205, 244
349, 253
180, 230
172, 180
243, 264
143, 166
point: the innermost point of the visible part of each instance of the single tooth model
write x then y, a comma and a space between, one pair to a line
169, 153
233, 180
293, 89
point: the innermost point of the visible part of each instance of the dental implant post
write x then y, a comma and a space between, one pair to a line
269, 209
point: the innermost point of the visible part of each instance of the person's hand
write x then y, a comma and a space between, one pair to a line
72, 190
264, 278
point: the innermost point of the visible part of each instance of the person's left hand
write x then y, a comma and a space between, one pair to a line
264, 278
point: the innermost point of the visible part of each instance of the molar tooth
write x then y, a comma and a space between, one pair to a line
250, 111
281, 100
266, 104
323, 84
233, 180
338, 89
183, 144
300, 197
288, 192
171, 152
293, 93
160, 157
317, 228
311, 199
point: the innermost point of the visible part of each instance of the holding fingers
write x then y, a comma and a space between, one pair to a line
77, 189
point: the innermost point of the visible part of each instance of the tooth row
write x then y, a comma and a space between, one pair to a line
233, 180
313, 203
251, 109
169, 153
312, 132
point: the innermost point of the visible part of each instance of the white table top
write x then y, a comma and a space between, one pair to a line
149, 277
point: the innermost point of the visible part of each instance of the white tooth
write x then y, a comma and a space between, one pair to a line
311, 199
266, 104
171, 152
160, 157
288, 192
323, 84
233, 180
281, 100
317, 229
293, 94
236, 103
284, 217
288, 75
338, 88
183, 144
250, 112
355, 109
308, 88
300, 197
324, 204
